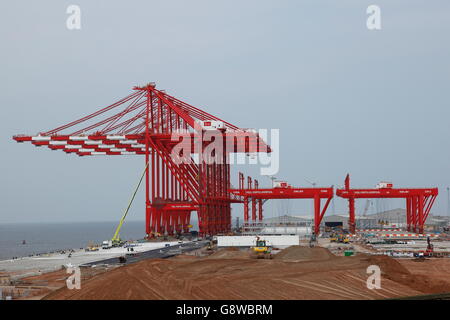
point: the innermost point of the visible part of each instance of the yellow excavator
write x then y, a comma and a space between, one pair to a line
333, 237
339, 237
344, 239
261, 250
116, 241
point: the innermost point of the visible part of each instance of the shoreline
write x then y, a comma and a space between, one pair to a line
17, 275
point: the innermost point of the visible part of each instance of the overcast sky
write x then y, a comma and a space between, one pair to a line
346, 99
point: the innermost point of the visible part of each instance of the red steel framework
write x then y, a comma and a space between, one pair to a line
151, 123
256, 196
418, 202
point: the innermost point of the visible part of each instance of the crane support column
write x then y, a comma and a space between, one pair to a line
245, 209
414, 213
408, 214
260, 210
147, 169
316, 214
421, 215
253, 210
351, 218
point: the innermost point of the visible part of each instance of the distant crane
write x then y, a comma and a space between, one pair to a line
313, 183
332, 203
272, 178
366, 208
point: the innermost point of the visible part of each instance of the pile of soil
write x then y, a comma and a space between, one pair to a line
230, 253
295, 273
428, 276
299, 253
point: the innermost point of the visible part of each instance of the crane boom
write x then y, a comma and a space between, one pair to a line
116, 237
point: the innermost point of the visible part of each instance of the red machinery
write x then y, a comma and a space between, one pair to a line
418, 202
152, 123
284, 191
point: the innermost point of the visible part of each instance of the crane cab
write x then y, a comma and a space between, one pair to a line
384, 185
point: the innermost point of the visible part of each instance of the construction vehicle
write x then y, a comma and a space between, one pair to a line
91, 247
333, 237
342, 238
107, 244
261, 250
312, 240
426, 253
339, 237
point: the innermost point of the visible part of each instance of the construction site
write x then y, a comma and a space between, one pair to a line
187, 170
322, 272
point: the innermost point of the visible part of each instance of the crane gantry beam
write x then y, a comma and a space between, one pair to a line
418, 202
256, 196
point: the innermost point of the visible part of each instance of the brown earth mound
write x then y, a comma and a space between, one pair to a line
295, 273
230, 253
429, 276
299, 253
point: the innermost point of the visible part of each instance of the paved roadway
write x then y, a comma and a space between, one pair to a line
161, 253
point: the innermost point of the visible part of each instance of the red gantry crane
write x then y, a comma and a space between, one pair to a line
151, 123
281, 190
418, 202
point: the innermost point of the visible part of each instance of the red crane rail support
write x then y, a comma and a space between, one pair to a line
418, 202
256, 196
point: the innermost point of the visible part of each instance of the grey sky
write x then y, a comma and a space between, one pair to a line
346, 99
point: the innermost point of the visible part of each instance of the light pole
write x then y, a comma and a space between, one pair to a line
272, 178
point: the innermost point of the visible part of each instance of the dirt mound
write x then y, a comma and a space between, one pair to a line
294, 273
238, 277
438, 269
231, 279
388, 265
230, 253
299, 253
394, 270
185, 257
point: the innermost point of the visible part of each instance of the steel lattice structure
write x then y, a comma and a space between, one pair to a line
418, 202
151, 123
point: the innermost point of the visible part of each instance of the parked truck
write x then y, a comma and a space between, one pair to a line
107, 244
